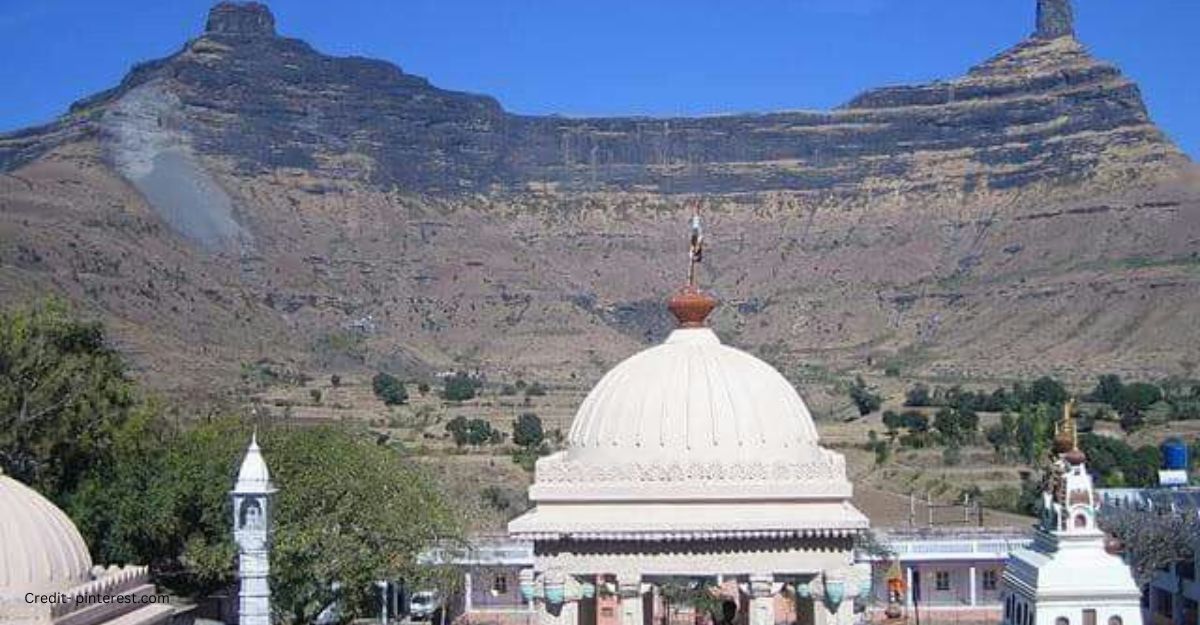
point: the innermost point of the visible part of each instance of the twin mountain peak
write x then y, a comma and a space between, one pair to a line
1043, 112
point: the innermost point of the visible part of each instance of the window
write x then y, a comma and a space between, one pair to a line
500, 584
1062, 620
1186, 569
1115, 620
942, 579
989, 580
1089, 617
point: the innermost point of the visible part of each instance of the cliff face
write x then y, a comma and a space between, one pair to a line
249, 197
1042, 111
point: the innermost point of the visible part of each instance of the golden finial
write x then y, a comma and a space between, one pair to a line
1069, 422
1064, 430
1067, 441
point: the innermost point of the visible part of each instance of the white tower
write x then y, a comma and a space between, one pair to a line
1068, 577
252, 532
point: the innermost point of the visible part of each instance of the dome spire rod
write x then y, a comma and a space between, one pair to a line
689, 305
696, 246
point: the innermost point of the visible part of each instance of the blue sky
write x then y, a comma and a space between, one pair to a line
634, 57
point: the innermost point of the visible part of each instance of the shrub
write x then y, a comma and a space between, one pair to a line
458, 387
527, 430
535, 390
864, 398
917, 396
526, 457
315, 394
472, 431
389, 389
956, 426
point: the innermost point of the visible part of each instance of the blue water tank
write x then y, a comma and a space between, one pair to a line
1175, 455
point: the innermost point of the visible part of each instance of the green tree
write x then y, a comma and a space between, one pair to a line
917, 396
864, 397
168, 508
1106, 457
458, 387
389, 389
472, 431
1133, 402
65, 399
1141, 470
1033, 433
1108, 389
527, 430
347, 510
915, 421
956, 426
1047, 390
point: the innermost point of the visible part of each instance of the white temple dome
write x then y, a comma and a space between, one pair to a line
41, 550
253, 476
692, 399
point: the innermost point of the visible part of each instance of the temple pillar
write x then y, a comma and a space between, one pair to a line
629, 587
908, 586
762, 600
557, 608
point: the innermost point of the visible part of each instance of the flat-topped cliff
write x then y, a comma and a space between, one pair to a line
1043, 111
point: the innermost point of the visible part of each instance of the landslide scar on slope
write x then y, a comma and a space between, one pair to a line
143, 140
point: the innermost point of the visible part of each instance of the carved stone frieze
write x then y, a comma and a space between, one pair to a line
821, 467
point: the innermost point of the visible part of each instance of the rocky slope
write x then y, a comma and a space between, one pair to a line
249, 197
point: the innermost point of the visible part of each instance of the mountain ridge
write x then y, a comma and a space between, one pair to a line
297, 103
250, 198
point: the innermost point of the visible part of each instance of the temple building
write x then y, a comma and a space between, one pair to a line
1067, 576
47, 575
692, 463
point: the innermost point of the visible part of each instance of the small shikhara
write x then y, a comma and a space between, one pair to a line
1068, 576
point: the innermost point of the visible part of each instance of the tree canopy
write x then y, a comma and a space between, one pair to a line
348, 510
527, 430
865, 399
75, 427
459, 387
65, 399
389, 389
472, 431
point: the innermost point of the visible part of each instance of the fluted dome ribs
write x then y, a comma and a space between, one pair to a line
694, 399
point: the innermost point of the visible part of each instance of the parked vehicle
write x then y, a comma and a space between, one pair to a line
423, 605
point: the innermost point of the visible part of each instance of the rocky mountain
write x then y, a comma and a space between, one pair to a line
249, 197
